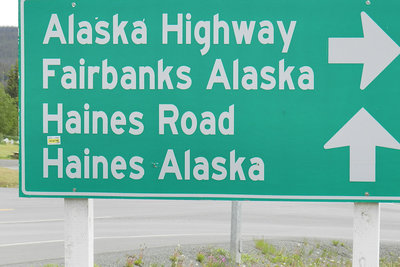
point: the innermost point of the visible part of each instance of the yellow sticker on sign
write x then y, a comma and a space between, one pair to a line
53, 140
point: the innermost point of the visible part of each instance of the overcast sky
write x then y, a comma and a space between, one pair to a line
8, 12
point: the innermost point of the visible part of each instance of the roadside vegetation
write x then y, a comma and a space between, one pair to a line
299, 254
261, 254
305, 254
8, 178
7, 151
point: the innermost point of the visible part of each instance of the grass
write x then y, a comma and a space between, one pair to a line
304, 255
7, 151
8, 178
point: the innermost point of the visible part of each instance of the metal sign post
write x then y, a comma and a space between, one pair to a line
78, 232
236, 225
366, 234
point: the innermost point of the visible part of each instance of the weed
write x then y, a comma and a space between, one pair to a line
200, 257
136, 260
335, 243
214, 257
389, 262
249, 259
265, 248
177, 258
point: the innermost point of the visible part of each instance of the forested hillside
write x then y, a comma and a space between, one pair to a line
8, 50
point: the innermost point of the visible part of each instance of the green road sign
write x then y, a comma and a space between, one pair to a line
270, 100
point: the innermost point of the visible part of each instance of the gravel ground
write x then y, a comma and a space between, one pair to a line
390, 251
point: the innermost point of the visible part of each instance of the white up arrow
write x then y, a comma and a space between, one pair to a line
362, 134
376, 50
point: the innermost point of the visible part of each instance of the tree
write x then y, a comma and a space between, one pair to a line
12, 83
8, 114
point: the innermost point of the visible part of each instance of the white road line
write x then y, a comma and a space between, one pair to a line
114, 237
47, 220
30, 243
160, 236
33, 221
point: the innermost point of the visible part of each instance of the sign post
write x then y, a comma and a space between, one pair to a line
366, 234
236, 230
78, 232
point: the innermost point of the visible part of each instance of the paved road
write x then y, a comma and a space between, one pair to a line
9, 163
32, 229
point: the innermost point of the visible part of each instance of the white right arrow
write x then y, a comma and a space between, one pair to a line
362, 134
376, 50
